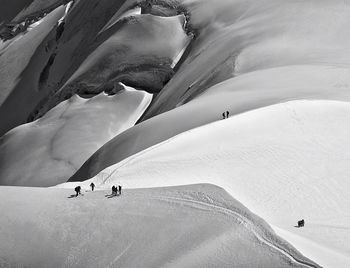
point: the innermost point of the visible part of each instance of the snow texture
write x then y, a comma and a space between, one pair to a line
192, 226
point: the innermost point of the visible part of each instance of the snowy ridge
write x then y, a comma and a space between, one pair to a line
237, 95
136, 93
288, 173
140, 223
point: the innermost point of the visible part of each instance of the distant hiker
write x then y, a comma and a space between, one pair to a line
92, 185
227, 113
77, 190
301, 223
223, 116
119, 189
114, 190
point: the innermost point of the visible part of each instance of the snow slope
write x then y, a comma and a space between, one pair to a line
21, 62
284, 162
237, 95
15, 11
192, 226
140, 53
17, 55
66, 137
237, 37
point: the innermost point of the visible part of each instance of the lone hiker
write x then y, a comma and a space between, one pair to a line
77, 190
225, 115
301, 223
92, 185
119, 189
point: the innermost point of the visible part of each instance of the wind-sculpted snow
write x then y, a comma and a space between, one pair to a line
284, 162
63, 69
140, 53
49, 150
237, 95
39, 78
237, 37
191, 226
16, 11
15, 56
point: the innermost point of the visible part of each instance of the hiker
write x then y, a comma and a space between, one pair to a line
223, 116
120, 189
227, 113
92, 185
301, 223
77, 190
114, 190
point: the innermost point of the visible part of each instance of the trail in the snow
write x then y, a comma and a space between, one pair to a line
247, 223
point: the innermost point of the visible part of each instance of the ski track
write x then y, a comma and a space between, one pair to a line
246, 222
120, 255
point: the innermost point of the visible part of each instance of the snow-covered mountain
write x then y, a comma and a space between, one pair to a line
134, 92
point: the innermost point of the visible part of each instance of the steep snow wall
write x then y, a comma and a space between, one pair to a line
101, 39
50, 59
15, 11
238, 37
140, 52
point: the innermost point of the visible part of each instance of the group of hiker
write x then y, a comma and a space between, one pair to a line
116, 190
225, 115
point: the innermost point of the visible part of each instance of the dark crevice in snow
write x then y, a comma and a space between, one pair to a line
59, 31
46, 71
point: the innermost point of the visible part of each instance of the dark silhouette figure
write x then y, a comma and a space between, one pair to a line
227, 114
77, 190
92, 185
119, 189
301, 223
114, 190
223, 116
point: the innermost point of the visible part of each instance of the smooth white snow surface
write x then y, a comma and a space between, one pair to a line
242, 36
66, 137
191, 226
285, 162
236, 95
